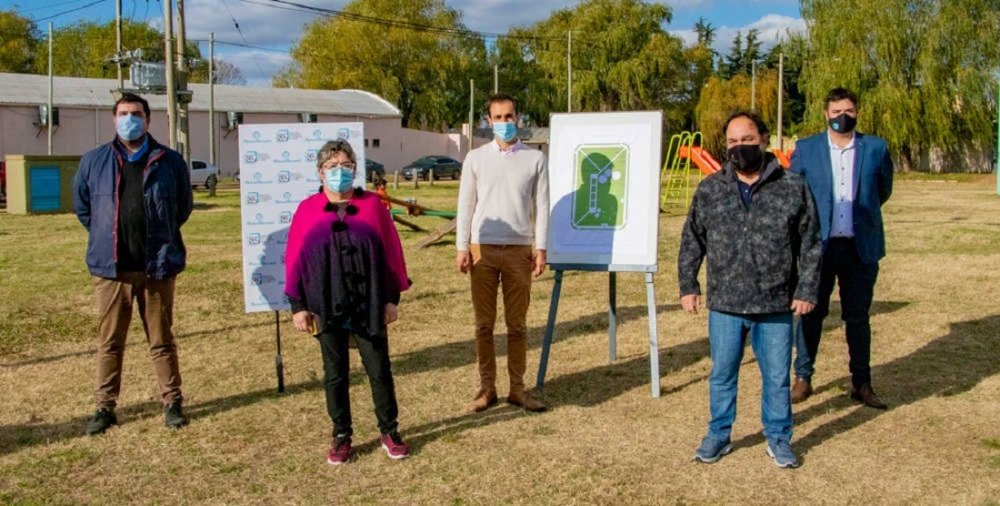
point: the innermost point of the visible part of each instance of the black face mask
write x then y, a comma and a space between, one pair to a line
843, 123
746, 158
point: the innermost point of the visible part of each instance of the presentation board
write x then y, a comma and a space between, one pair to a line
277, 171
604, 185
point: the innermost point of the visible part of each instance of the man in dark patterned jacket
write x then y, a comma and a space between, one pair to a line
757, 225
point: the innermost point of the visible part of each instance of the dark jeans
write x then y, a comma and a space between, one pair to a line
374, 351
857, 283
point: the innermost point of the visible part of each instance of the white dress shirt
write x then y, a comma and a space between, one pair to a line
842, 163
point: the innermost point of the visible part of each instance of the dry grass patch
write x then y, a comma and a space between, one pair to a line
935, 357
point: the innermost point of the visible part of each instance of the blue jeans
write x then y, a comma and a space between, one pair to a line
771, 340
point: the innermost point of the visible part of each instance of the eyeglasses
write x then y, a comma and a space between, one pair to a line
329, 164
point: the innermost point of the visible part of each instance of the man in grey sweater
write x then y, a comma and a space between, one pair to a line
503, 210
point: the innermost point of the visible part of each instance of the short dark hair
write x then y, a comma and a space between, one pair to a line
131, 98
838, 94
496, 98
752, 116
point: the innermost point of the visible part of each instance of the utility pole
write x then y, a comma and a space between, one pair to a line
496, 79
781, 92
168, 42
753, 86
996, 170
569, 71
118, 43
472, 111
183, 99
48, 108
211, 98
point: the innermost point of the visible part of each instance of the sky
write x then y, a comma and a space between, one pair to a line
265, 25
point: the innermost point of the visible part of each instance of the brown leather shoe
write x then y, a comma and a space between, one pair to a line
484, 399
526, 401
801, 390
865, 394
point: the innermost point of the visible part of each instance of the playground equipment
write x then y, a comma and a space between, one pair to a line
409, 207
683, 149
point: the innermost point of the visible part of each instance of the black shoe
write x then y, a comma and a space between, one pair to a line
103, 419
867, 396
173, 417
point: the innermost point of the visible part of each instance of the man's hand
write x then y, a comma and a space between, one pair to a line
462, 261
540, 258
801, 307
690, 303
302, 321
391, 313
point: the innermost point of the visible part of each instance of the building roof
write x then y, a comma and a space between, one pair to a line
31, 89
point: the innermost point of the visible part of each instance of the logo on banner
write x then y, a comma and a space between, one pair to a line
284, 176
282, 136
261, 279
257, 178
286, 157
285, 217
256, 137
251, 157
253, 239
312, 155
261, 261
317, 135
259, 219
253, 198
286, 198
344, 133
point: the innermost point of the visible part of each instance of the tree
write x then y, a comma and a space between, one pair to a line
19, 40
225, 73
705, 32
424, 72
722, 97
622, 59
925, 72
83, 49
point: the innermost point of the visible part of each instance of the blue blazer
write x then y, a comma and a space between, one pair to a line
872, 187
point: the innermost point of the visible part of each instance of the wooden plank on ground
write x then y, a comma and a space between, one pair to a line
437, 234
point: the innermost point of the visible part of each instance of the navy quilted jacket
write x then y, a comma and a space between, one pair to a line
167, 188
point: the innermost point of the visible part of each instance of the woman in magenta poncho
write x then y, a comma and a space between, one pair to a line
344, 271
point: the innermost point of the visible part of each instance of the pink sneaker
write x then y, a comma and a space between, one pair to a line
394, 446
340, 452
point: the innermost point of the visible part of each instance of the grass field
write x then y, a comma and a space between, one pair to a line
935, 358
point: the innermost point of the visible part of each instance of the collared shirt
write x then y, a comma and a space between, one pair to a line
842, 163
746, 191
131, 157
511, 149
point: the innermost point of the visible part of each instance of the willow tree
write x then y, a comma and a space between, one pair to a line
84, 49
622, 59
425, 72
925, 70
722, 97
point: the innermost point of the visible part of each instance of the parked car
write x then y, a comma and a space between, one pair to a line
374, 171
442, 165
203, 174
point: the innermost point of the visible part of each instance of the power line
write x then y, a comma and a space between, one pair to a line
394, 23
51, 6
238, 30
91, 4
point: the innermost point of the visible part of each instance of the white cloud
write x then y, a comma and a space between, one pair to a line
771, 28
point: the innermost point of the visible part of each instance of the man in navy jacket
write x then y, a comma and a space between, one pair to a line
850, 176
132, 195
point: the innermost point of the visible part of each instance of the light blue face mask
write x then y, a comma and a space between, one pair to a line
339, 179
129, 127
506, 131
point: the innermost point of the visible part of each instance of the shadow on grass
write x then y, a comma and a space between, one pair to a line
601, 384
457, 354
949, 365
133, 341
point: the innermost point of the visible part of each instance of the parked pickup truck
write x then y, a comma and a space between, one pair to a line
203, 174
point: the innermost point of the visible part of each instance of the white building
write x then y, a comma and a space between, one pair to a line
83, 107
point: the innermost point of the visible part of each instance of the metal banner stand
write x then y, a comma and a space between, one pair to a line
279, 366
654, 356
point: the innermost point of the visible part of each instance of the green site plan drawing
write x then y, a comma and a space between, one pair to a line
599, 201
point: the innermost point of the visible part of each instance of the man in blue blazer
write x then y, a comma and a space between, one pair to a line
850, 176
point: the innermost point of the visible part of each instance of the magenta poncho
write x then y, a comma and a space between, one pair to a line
344, 268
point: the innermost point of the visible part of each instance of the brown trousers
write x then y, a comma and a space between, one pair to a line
509, 266
156, 309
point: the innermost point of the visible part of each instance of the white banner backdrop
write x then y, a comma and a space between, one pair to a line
604, 184
277, 171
